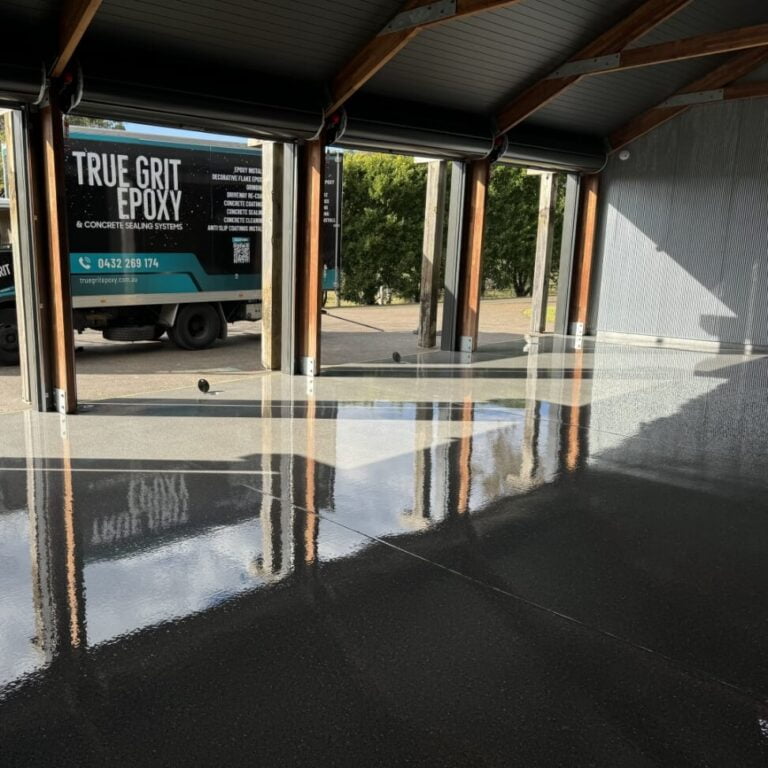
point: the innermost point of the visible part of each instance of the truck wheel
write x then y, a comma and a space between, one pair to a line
9, 345
197, 326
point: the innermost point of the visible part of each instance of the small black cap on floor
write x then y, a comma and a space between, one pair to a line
203, 385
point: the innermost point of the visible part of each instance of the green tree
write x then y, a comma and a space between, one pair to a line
95, 122
509, 254
383, 209
510, 233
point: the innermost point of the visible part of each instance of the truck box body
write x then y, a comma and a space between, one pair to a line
157, 222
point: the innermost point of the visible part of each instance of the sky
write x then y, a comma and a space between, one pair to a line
181, 133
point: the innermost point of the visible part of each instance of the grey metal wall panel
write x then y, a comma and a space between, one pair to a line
683, 243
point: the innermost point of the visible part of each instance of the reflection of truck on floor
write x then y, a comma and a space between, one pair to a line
164, 237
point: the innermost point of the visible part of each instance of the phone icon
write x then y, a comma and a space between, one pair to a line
85, 262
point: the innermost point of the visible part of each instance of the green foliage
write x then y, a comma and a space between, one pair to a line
510, 236
383, 209
383, 213
95, 122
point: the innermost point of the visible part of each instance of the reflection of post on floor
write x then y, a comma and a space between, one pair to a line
305, 492
55, 544
422, 469
431, 252
576, 435
544, 241
271, 508
464, 468
529, 448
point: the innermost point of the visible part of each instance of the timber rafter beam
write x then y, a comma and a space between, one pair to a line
76, 16
648, 15
415, 16
703, 89
663, 53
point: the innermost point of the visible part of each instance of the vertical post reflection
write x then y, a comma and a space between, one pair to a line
271, 522
76, 624
422, 469
529, 463
57, 558
573, 451
464, 456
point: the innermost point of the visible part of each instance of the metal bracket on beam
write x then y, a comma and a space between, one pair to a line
60, 401
307, 366
587, 66
417, 17
698, 97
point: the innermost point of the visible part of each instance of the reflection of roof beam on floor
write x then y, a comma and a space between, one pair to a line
642, 20
663, 53
415, 16
76, 16
697, 92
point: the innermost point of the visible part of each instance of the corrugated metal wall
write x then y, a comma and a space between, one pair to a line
683, 244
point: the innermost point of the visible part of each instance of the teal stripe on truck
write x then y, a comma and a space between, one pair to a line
122, 273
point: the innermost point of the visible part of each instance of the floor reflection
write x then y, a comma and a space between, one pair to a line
563, 537
117, 549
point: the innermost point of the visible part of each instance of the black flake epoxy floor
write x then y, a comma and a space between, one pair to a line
533, 557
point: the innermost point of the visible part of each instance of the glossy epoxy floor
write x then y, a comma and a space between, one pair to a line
536, 556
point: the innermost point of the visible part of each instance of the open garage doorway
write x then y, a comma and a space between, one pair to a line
164, 245
521, 254
374, 313
14, 387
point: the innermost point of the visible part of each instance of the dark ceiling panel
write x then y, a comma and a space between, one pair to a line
702, 17
603, 103
296, 38
476, 63
243, 59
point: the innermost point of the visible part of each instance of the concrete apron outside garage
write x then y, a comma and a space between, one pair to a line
108, 369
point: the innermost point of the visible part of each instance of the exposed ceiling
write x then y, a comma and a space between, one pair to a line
267, 65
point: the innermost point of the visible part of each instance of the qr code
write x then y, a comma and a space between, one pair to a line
241, 250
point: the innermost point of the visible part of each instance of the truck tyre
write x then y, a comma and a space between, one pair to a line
129, 333
9, 345
197, 326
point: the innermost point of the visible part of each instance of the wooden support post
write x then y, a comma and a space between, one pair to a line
585, 251
272, 168
544, 241
309, 264
471, 258
432, 250
60, 300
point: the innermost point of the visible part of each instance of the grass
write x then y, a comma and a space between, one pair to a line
550, 313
